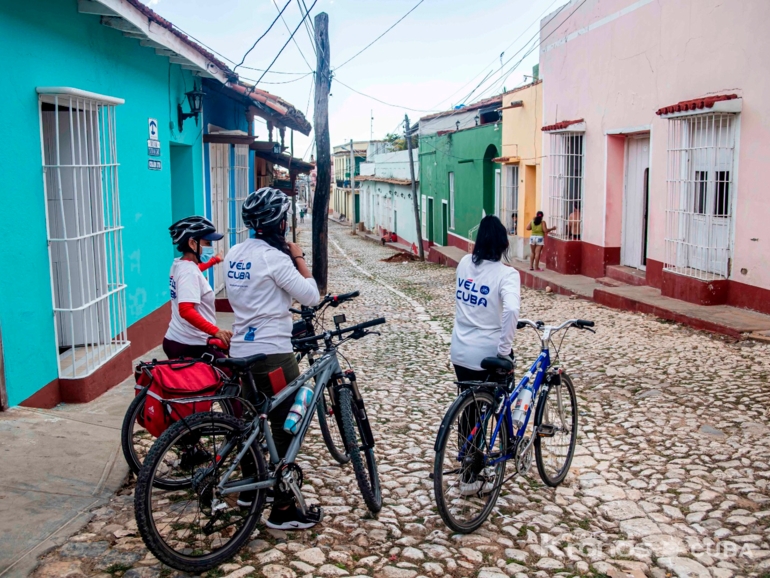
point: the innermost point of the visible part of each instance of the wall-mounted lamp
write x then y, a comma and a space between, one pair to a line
457, 124
477, 118
195, 100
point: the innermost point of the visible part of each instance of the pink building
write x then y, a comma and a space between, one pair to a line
656, 131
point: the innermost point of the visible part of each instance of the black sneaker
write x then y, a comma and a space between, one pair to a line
292, 518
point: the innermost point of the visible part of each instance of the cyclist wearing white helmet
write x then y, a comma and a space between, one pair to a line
263, 275
193, 316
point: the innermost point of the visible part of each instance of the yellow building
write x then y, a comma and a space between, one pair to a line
521, 162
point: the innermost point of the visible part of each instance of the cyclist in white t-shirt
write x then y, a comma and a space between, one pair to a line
193, 315
264, 274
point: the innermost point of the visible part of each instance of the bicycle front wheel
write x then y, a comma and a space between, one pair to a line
469, 467
361, 453
556, 419
328, 421
194, 529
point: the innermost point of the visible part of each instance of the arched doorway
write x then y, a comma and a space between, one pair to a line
488, 198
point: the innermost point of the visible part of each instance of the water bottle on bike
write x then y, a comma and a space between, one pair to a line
298, 409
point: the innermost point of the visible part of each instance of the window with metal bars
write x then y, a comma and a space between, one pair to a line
451, 201
80, 172
239, 190
566, 185
700, 194
511, 199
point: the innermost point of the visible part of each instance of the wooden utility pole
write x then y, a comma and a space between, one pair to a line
323, 84
415, 204
293, 193
352, 186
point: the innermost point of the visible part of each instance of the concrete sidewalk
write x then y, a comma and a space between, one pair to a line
56, 466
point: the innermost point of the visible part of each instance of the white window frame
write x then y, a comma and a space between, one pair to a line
452, 201
701, 169
83, 227
511, 198
565, 191
424, 216
219, 170
237, 232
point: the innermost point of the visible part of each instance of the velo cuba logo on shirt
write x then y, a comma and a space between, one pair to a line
239, 270
172, 286
468, 293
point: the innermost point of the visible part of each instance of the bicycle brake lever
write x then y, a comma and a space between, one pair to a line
589, 329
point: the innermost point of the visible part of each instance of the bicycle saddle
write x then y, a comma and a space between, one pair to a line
495, 363
241, 363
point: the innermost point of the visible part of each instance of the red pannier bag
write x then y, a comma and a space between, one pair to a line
170, 381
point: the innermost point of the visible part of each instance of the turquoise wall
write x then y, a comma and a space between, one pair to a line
51, 44
468, 153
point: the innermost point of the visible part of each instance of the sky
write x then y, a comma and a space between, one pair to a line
431, 61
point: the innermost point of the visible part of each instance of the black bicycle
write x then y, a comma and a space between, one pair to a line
199, 526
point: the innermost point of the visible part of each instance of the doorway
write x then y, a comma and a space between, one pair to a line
633, 248
444, 222
431, 236
182, 186
490, 176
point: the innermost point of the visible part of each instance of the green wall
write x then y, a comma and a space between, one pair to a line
51, 44
468, 153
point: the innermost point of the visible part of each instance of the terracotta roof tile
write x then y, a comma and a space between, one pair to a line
695, 104
561, 125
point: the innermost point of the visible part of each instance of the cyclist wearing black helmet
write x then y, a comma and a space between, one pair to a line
193, 316
264, 274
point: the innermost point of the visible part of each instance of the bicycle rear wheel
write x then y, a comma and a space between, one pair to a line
328, 421
556, 418
361, 453
193, 529
137, 441
468, 470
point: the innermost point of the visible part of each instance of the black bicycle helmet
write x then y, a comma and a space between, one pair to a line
194, 227
264, 208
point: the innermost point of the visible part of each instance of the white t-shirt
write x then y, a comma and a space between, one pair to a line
487, 302
188, 285
261, 282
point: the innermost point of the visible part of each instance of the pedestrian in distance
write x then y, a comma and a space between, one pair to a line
573, 223
540, 231
302, 216
264, 274
193, 315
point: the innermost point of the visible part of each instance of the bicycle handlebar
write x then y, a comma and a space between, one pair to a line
579, 323
339, 332
333, 300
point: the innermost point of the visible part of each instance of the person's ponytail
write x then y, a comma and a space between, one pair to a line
273, 237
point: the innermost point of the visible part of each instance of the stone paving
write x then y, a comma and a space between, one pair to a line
671, 475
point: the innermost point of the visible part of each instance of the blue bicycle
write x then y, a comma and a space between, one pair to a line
486, 426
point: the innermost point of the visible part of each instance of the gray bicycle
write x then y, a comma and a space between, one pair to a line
196, 528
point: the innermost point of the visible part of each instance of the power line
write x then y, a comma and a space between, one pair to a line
305, 75
380, 36
382, 101
280, 12
292, 36
281, 50
274, 71
311, 35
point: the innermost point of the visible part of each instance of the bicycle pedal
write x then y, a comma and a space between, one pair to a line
546, 431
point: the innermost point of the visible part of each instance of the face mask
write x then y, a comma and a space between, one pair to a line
206, 254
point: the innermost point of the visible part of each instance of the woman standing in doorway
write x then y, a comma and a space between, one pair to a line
540, 231
193, 316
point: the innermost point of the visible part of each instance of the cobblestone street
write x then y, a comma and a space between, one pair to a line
671, 476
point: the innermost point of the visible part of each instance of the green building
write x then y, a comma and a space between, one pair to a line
459, 183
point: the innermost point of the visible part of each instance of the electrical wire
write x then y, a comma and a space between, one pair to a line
381, 101
380, 36
280, 15
305, 75
308, 22
280, 51
302, 54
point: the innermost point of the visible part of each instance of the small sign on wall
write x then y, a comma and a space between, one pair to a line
152, 124
154, 165
153, 148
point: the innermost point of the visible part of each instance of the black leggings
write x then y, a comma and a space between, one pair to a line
175, 350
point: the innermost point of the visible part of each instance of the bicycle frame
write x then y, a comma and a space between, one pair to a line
324, 369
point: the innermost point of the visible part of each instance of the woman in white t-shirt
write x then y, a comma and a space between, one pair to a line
264, 274
487, 302
193, 315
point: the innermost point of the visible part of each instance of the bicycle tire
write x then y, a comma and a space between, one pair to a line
144, 488
362, 458
328, 421
127, 442
549, 480
445, 509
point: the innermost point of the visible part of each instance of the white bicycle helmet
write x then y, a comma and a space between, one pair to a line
264, 208
194, 227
